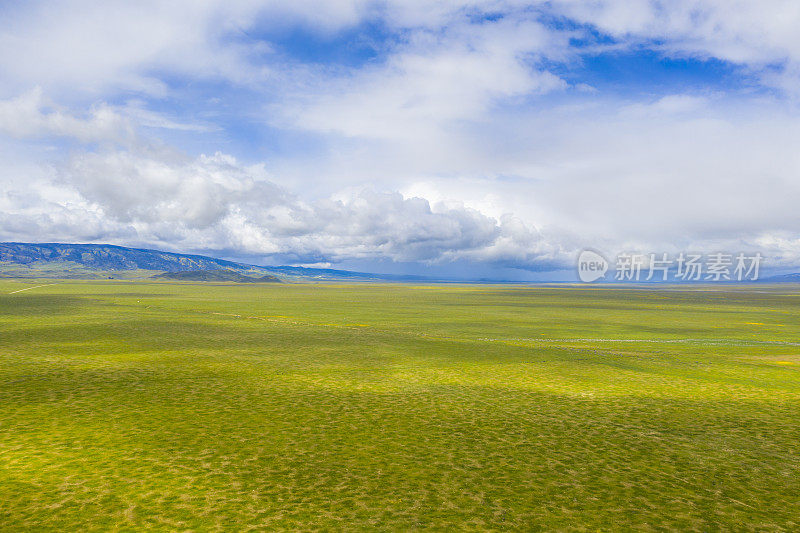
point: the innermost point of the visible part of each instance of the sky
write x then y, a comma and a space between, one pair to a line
492, 139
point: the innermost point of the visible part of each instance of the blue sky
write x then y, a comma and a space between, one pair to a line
473, 139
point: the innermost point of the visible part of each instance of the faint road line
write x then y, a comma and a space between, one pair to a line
29, 288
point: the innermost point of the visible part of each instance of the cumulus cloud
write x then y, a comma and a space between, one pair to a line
215, 203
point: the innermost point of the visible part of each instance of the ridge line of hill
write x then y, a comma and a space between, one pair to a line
88, 260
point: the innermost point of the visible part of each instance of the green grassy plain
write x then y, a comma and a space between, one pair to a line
132, 405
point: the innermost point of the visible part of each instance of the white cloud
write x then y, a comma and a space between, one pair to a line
31, 116
757, 34
432, 79
678, 172
94, 47
212, 202
28, 116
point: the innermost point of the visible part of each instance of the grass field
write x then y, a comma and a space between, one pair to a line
126, 405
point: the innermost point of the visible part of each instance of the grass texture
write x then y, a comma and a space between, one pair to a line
179, 406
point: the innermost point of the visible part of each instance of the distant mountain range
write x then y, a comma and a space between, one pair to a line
56, 260
103, 261
109, 257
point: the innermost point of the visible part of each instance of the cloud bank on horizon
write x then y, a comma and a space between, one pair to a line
495, 138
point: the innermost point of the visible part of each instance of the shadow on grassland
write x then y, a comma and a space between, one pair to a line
39, 305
